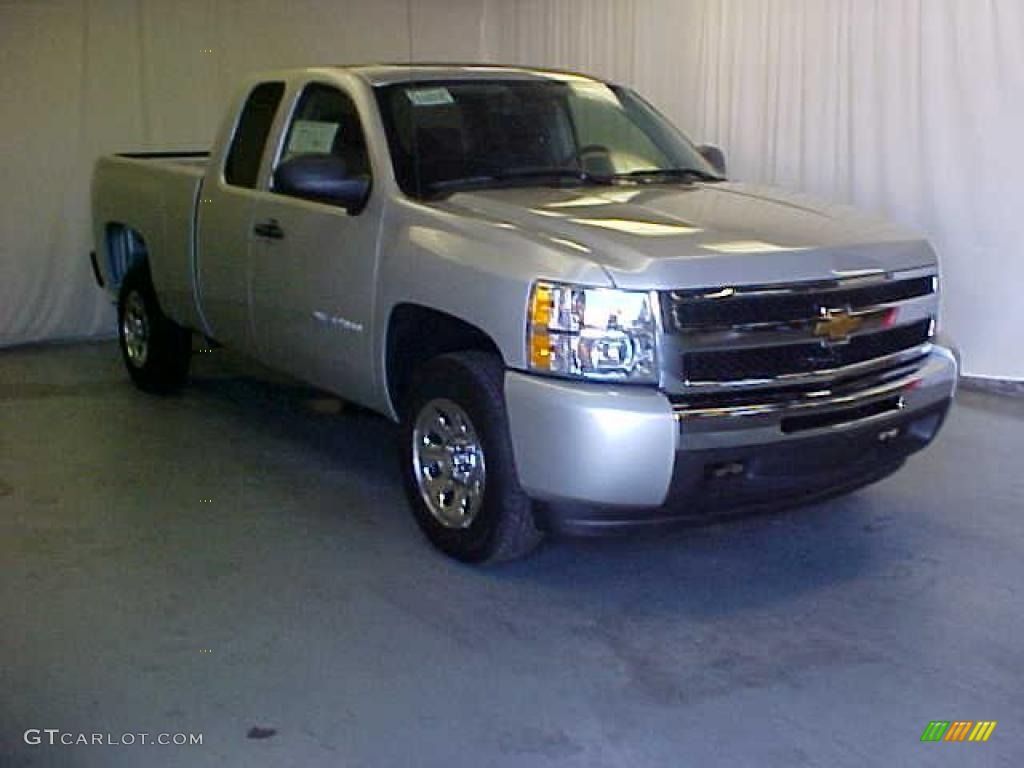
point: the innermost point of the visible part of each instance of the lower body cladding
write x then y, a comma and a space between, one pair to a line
606, 458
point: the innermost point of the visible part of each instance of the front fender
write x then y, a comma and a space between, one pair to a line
476, 270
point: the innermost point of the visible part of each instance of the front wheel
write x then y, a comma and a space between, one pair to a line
457, 460
156, 350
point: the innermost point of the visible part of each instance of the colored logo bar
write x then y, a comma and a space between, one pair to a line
958, 730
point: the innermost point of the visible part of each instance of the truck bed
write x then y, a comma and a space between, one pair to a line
155, 194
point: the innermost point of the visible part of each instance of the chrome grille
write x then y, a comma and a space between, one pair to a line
783, 336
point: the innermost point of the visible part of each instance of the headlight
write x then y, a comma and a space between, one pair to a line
593, 333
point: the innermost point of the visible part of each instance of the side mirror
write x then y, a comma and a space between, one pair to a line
714, 156
323, 178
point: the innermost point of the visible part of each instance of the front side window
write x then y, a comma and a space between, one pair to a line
446, 135
326, 122
242, 167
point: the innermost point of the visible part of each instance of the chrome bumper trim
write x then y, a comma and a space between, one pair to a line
803, 401
759, 421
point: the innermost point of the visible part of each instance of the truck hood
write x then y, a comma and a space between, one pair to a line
683, 236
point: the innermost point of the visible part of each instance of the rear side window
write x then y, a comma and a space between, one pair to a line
243, 163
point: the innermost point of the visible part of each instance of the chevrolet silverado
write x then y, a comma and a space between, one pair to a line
579, 322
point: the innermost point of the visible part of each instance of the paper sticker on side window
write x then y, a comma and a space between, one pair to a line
311, 137
429, 97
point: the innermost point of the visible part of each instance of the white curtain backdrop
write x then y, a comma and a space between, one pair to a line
80, 78
910, 108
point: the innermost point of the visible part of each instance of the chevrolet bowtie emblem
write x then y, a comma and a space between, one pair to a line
837, 324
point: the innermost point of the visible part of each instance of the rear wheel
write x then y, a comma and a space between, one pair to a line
458, 465
156, 350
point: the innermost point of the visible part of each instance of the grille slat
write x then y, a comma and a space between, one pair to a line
690, 310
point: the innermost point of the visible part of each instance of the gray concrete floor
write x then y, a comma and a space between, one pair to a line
250, 519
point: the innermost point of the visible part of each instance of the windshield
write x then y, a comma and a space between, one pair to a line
450, 135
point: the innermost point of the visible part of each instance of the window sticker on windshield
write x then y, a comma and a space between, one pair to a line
429, 97
312, 137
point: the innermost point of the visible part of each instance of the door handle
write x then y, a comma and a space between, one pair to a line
269, 228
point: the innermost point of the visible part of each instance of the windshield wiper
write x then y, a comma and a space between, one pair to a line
513, 175
445, 185
552, 173
670, 173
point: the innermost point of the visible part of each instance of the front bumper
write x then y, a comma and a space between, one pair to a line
619, 456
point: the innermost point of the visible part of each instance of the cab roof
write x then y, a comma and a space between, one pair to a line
386, 74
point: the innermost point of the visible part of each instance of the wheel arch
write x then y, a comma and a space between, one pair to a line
124, 248
417, 334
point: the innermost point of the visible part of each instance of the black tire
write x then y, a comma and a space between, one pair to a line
503, 527
163, 367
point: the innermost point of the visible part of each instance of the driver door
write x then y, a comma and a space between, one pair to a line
312, 263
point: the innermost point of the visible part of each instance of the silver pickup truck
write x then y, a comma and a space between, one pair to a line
578, 321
